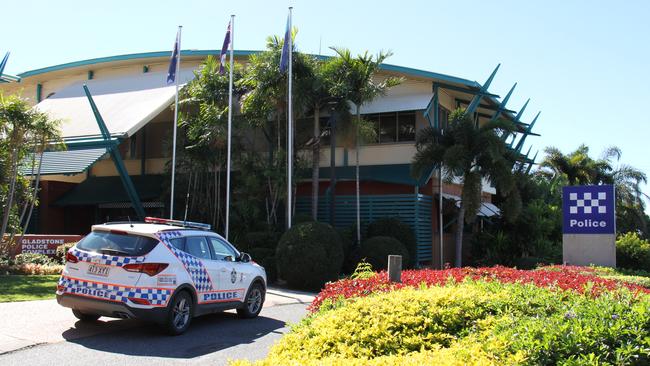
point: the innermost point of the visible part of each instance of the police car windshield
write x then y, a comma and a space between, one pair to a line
117, 244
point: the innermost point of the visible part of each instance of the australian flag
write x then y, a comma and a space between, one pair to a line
224, 51
171, 73
3, 63
284, 58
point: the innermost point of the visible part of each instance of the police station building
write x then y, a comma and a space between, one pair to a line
81, 185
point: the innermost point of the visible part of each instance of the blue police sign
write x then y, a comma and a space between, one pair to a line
588, 210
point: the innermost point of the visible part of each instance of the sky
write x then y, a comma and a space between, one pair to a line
584, 64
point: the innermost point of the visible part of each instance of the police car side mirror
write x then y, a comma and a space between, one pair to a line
244, 257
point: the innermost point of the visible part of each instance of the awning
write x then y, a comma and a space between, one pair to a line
397, 103
126, 103
487, 209
101, 190
390, 173
63, 162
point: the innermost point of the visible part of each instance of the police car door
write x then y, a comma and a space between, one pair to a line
198, 247
233, 276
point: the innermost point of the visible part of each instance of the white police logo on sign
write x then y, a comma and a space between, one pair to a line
587, 204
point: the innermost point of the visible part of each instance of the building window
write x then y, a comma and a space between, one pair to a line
389, 127
406, 126
443, 117
393, 126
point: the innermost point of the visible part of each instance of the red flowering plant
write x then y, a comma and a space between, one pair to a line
584, 280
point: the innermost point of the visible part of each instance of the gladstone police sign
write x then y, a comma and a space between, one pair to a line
588, 210
589, 225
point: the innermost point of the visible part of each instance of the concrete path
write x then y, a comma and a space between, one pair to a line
34, 323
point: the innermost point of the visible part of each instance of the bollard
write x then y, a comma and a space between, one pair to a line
395, 268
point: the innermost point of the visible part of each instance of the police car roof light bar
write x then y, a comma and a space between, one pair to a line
195, 225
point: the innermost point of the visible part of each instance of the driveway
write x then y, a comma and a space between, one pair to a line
42, 332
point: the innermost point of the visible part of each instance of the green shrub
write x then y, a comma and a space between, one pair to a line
261, 239
376, 250
309, 254
475, 323
61, 250
350, 250
34, 258
528, 262
632, 252
261, 253
395, 228
271, 267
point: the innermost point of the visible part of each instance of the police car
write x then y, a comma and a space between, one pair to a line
165, 271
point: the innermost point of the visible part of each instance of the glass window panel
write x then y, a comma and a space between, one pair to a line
222, 250
387, 127
374, 118
197, 246
406, 124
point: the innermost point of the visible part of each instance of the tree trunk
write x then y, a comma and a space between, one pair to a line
315, 165
358, 144
36, 189
10, 196
460, 226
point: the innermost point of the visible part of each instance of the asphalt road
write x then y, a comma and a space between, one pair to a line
211, 339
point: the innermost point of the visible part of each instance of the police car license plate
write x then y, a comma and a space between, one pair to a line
99, 270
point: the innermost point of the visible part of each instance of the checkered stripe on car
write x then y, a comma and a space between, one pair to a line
192, 264
155, 296
109, 260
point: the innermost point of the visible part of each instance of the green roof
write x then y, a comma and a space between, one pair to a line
64, 162
98, 190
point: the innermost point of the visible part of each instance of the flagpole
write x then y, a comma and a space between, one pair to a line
232, 67
178, 67
290, 130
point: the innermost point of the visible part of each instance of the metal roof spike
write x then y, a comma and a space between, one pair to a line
530, 127
489, 80
471, 108
521, 111
502, 105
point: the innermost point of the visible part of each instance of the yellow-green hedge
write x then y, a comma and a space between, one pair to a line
476, 323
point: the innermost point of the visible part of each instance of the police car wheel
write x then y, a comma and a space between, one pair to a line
253, 302
84, 317
179, 314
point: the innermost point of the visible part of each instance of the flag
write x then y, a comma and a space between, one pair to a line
284, 59
4, 63
173, 62
224, 51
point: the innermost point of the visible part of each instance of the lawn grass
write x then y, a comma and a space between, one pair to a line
27, 288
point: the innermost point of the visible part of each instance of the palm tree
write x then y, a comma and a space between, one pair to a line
468, 153
361, 88
263, 106
318, 93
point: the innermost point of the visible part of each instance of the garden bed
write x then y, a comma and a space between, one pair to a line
487, 316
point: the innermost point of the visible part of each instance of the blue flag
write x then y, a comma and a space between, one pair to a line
171, 73
284, 58
224, 51
4, 63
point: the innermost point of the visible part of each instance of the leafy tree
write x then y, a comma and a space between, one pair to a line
204, 118
471, 154
23, 130
361, 87
264, 108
